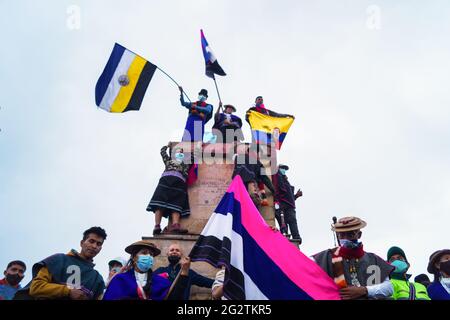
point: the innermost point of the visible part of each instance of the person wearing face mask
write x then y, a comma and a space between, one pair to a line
10, 284
284, 199
357, 273
251, 170
174, 256
170, 198
403, 289
439, 266
259, 105
139, 282
115, 266
68, 276
227, 126
200, 113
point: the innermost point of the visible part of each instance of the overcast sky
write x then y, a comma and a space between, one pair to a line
366, 80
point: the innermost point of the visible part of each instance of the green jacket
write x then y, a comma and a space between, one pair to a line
402, 290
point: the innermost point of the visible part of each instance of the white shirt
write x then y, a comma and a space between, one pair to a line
384, 289
141, 278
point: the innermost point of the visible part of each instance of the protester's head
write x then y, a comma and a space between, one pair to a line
259, 100
397, 258
439, 264
283, 168
203, 95
14, 273
92, 242
179, 154
142, 254
348, 231
141, 259
228, 108
116, 264
422, 279
174, 254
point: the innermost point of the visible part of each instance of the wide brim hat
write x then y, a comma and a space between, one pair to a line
434, 258
143, 244
348, 224
229, 106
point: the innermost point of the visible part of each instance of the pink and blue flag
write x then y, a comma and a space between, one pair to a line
260, 264
211, 64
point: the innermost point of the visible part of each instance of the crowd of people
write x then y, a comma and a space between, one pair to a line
358, 274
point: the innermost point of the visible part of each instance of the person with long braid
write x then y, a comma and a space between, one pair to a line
138, 282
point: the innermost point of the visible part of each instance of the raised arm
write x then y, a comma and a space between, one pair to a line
164, 154
183, 103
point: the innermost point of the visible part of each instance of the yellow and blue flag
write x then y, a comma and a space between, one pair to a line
269, 128
122, 85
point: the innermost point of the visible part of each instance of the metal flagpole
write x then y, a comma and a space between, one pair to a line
217, 89
173, 81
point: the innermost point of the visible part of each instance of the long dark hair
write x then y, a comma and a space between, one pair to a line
148, 286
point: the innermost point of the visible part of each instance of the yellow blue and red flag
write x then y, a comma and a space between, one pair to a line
122, 85
269, 128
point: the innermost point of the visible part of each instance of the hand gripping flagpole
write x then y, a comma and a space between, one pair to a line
174, 81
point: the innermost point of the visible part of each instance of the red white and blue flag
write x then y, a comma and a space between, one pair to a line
260, 263
211, 64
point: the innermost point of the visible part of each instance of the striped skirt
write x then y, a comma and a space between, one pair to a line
170, 196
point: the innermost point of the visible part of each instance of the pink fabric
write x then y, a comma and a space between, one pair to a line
192, 174
302, 271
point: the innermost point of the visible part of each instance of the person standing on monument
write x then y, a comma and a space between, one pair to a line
228, 125
253, 175
170, 197
284, 198
200, 113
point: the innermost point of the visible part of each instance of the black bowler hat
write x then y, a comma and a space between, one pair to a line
204, 92
283, 166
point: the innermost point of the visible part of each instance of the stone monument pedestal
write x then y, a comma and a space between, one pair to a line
214, 177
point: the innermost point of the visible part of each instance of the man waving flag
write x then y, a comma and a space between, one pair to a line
211, 64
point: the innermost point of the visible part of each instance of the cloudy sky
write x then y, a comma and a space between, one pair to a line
366, 80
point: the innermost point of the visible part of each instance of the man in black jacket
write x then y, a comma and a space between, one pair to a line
174, 256
285, 202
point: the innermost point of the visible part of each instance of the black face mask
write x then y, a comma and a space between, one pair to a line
13, 279
173, 259
445, 267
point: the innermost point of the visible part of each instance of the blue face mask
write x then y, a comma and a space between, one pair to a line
283, 171
179, 156
201, 98
144, 262
349, 244
400, 266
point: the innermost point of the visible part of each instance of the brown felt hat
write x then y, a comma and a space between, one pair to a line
143, 244
348, 224
434, 258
